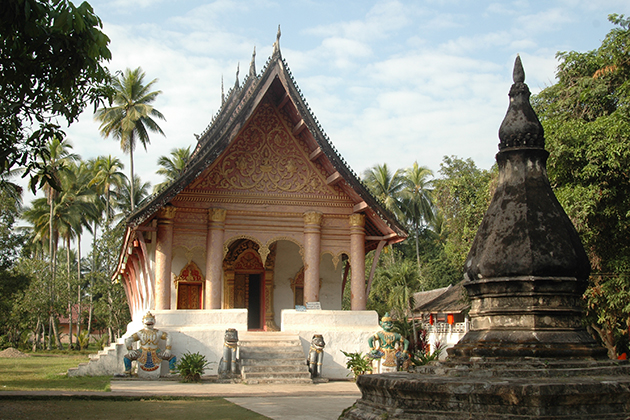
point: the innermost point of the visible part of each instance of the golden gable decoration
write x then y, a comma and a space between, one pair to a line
265, 158
190, 273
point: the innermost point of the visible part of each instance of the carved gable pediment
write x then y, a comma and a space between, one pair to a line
265, 158
190, 273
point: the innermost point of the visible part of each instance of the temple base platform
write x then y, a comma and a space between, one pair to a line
492, 389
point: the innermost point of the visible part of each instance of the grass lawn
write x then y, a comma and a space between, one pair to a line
47, 372
41, 372
132, 409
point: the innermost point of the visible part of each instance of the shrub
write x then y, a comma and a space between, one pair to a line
83, 340
191, 366
358, 363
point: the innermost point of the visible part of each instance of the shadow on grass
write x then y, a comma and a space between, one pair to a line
123, 408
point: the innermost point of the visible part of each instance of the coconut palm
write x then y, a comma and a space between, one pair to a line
171, 167
56, 159
140, 191
107, 178
386, 186
131, 117
417, 203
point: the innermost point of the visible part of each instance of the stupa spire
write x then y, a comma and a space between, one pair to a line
520, 127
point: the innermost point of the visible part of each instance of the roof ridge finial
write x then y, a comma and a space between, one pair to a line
238, 69
520, 127
252, 65
222, 92
276, 45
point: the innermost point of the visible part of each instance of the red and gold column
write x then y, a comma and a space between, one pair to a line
214, 258
312, 245
357, 261
164, 257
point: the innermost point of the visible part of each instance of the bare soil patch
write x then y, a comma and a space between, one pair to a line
12, 353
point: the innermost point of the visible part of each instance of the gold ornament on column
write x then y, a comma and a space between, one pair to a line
357, 220
313, 218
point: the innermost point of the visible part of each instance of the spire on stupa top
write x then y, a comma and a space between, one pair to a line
521, 127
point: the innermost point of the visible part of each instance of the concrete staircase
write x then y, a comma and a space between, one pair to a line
106, 362
272, 357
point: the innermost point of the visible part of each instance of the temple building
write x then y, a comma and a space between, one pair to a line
265, 217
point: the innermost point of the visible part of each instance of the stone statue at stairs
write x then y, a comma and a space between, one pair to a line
316, 356
388, 349
149, 355
228, 366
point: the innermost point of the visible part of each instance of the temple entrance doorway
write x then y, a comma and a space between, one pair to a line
248, 293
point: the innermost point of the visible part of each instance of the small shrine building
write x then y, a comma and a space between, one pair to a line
266, 216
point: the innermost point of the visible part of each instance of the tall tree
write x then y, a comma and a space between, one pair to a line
417, 201
462, 193
586, 117
131, 117
108, 177
171, 167
386, 186
139, 190
57, 160
51, 67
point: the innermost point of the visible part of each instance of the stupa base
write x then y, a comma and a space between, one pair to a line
491, 389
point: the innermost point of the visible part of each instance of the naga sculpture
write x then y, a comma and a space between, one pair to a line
228, 366
148, 355
385, 347
316, 356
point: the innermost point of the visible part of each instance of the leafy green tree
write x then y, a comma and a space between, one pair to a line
462, 194
586, 117
171, 167
51, 68
131, 117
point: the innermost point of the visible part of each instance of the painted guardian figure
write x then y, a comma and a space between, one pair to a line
149, 355
388, 348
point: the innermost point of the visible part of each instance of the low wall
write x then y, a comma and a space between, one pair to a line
197, 331
203, 331
342, 330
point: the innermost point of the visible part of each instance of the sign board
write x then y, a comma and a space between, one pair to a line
314, 306
300, 308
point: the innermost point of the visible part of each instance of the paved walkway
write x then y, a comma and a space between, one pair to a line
324, 401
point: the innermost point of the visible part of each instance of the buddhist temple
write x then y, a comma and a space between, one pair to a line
265, 217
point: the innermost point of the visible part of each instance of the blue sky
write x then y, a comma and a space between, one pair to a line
390, 81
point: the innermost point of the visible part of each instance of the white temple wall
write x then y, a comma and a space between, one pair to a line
342, 330
288, 263
330, 291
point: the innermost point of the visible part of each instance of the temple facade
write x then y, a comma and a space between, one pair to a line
265, 217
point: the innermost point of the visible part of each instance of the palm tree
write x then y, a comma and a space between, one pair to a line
172, 167
130, 119
123, 195
403, 282
386, 186
417, 203
57, 158
108, 177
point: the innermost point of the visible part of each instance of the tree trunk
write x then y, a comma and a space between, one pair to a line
79, 285
54, 328
608, 340
131, 186
35, 337
69, 292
